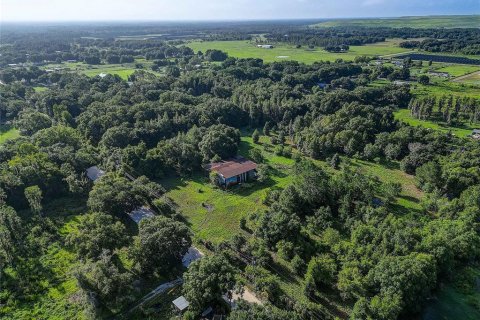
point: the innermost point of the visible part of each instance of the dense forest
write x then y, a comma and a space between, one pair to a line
338, 229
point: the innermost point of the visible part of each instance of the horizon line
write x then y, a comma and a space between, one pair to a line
233, 19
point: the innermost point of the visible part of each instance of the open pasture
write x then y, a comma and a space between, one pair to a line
247, 49
463, 21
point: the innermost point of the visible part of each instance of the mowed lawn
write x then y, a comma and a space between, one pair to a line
8, 133
247, 49
405, 116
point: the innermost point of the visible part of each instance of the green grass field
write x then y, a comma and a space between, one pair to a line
470, 79
246, 49
458, 70
405, 116
123, 70
8, 133
459, 21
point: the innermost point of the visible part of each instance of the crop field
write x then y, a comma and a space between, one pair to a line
464, 21
246, 49
215, 214
8, 133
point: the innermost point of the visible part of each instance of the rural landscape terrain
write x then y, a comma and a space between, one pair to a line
317, 169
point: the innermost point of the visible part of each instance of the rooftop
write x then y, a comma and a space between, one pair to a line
181, 303
94, 173
139, 214
233, 167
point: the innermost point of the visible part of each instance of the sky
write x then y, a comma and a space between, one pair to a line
167, 10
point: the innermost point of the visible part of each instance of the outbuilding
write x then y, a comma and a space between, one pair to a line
180, 304
234, 171
94, 173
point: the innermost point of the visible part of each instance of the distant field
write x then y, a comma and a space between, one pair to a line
123, 70
8, 133
405, 116
473, 78
246, 49
464, 21
459, 70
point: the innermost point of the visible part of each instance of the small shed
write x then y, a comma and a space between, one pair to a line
181, 304
94, 173
476, 134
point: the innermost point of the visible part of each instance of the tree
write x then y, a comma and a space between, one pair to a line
266, 128
206, 280
106, 280
160, 245
220, 140
391, 191
97, 232
255, 136
321, 271
114, 194
335, 161
256, 155
172, 71
33, 194
11, 237
423, 79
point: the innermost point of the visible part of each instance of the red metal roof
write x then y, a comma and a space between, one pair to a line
233, 167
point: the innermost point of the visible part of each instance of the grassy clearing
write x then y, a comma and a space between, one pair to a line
458, 70
8, 133
57, 287
459, 21
405, 116
472, 79
123, 70
409, 199
215, 214
40, 89
246, 49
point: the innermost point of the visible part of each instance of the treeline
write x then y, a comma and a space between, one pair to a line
449, 109
461, 45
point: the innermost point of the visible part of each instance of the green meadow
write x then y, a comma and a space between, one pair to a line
405, 116
8, 133
450, 21
247, 49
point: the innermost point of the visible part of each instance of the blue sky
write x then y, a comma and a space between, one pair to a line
85, 10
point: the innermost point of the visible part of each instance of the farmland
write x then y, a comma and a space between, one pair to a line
466, 21
246, 49
122, 70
